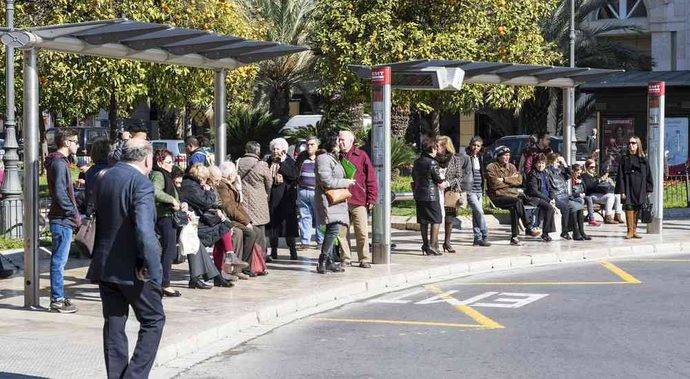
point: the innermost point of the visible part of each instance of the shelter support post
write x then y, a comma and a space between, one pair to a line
656, 108
569, 124
219, 109
31, 205
381, 151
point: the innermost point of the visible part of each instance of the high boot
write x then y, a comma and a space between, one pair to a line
424, 229
635, 235
630, 223
321, 266
574, 225
433, 248
293, 248
581, 226
448, 232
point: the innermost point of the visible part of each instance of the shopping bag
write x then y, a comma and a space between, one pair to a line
257, 263
189, 239
85, 236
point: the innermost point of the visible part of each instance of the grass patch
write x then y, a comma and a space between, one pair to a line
402, 184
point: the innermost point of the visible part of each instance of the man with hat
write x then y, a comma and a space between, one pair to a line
504, 189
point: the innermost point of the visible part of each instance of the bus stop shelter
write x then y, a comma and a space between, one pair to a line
127, 40
450, 75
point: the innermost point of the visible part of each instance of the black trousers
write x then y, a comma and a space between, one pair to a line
546, 213
145, 299
168, 237
517, 211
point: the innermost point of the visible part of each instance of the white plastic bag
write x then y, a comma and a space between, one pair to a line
189, 239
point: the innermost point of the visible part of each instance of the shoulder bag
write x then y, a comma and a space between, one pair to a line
646, 213
337, 195
86, 234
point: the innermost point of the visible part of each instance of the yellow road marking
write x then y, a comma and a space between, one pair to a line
467, 310
621, 274
535, 283
400, 322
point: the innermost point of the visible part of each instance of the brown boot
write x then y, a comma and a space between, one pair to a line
635, 235
619, 218
609, 220
630, 222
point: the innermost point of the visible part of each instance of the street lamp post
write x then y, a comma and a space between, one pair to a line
569, 98
11, 186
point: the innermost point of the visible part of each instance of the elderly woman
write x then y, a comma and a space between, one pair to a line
230, 192
330, 176
283, 198
256, 183
202, 199
572, 212
451, 164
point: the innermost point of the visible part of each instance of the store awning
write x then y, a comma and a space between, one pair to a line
150, 42
498, 72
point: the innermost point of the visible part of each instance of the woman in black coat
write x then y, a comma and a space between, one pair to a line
538, 193
426, 181
282, 204
633, 182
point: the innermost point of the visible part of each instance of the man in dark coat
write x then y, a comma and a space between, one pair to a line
283, 198
126, 261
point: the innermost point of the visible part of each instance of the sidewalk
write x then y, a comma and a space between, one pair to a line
202, 323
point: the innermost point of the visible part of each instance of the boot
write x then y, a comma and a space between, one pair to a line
630, 222
424, 229
433, 248
574, 225
635, 235
581, 226
321, 266
446, 244
334, 266
609, 220
293, 249
619, 218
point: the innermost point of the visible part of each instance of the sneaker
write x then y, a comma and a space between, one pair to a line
364, 264
483, 243
515, 241
63, 306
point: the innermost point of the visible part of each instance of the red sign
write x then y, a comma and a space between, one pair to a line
381, 76
656, 88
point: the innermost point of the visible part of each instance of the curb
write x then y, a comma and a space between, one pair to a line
174, 359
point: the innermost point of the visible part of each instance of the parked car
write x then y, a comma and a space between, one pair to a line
86, 136
175, 146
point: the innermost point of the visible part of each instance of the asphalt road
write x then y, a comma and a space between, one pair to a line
627, 318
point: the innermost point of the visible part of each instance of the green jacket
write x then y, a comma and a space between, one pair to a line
163, 200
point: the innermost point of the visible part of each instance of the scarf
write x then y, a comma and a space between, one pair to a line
169, 184
444, 159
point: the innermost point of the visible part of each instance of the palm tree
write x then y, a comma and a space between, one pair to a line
592, 49
287, 21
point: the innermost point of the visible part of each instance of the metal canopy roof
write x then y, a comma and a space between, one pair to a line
500, 73
638, 79
126, 39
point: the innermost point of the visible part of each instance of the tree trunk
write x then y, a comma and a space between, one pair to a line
436, 122
552, 117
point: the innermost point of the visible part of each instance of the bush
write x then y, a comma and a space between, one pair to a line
250, 124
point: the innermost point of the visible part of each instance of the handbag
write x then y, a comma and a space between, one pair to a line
257, 263
85, 236
180, 219
646, 213
451, 199
337, 195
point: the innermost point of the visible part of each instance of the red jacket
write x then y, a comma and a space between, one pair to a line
365, 190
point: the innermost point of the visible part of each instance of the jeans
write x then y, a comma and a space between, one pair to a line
306, 205
478, 221
62, 239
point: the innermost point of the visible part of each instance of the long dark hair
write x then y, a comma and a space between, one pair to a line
329, 142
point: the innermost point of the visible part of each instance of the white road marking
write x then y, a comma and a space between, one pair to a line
516, 300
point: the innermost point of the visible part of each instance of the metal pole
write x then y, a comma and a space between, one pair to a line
568, 123
31, 208
655, 145
11, 186
572, 33
219, 108
381, 150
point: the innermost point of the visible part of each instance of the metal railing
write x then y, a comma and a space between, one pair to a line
676, 191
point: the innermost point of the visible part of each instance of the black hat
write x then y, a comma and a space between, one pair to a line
501, 150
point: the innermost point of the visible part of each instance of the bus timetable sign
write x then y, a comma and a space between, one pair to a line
656, 88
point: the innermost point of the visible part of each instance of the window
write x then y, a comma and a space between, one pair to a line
622, 9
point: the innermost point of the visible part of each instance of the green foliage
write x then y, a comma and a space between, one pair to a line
250, 124
402, 153
11, 243
401, 184
319, 130
375, 32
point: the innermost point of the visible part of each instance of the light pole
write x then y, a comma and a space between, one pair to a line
11, 186
569, 98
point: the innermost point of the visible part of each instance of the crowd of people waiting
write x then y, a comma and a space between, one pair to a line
536, 192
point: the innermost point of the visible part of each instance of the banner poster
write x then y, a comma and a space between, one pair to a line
676, 144
616, 133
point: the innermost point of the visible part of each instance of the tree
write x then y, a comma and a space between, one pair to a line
376, 31
290, 22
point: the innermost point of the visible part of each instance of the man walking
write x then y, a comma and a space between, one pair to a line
306, 164
364, 194
126, 261
63, 215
